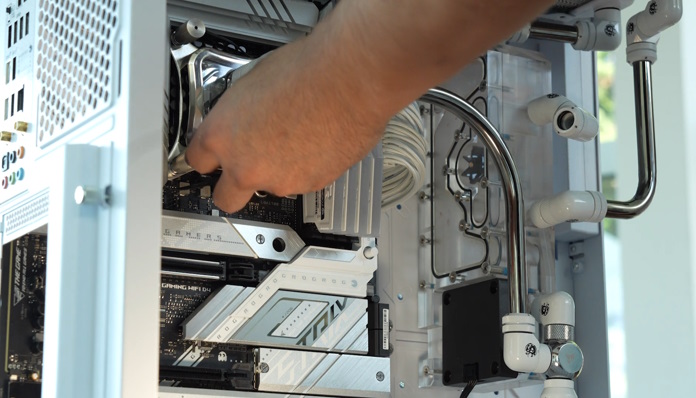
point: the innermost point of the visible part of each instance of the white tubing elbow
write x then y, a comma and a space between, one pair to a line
658, 16
576, 124
568, 206
522, 351
541, 111
602, 33
557, 308
567, 119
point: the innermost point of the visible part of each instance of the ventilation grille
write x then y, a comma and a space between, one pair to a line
75, 46
28, 213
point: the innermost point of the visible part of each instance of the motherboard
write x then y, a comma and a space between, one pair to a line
22, 321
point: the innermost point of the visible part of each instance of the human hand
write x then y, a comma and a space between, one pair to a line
280, 131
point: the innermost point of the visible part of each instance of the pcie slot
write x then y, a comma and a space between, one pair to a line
238, 371
193, 268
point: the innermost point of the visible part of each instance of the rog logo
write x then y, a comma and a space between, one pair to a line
322, 322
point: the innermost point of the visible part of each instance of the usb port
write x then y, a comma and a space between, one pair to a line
20, 100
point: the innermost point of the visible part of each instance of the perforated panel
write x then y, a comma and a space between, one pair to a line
27, 213
75, 42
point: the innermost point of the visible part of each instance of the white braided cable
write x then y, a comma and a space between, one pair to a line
405, 149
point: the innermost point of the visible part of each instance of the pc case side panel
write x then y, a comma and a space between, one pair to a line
104, 343
136, 203
72, 349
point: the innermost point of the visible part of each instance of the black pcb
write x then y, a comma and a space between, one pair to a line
472, 342
22, 316
193, 193
199, 365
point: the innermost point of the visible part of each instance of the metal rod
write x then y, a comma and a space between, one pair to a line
511, 182
645, 131
552, 31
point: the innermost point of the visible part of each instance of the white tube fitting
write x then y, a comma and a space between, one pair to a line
568, 206
602, 33
559, 388
643, 29
576, 124
557, 308
522, 351
542, 110
658, 16
521, 36
568, 120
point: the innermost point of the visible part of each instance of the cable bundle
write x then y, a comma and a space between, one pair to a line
405, 149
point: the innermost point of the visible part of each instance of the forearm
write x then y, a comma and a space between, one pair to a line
316, 106
388, 52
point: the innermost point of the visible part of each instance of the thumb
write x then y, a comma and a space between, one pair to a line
198, 154
227, 195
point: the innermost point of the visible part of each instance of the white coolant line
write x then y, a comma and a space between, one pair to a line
568, 206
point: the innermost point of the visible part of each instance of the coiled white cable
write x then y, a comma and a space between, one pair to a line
405, 150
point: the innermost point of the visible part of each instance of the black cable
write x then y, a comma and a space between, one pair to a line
468, 389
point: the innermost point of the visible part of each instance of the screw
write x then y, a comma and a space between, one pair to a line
260, 239
453, 276
423, 196
484, 232
426, 370
264, 368
402, 384
458, 196
89, 195
424, 241
400, 296
380, 376
463, 225
486, 268
421, 284
484, 183
370, 252
578, 267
